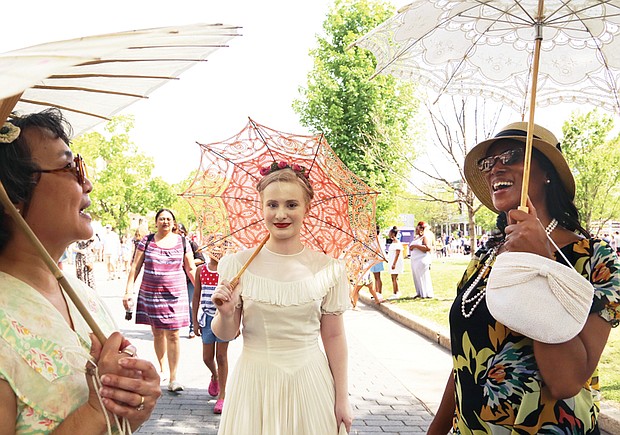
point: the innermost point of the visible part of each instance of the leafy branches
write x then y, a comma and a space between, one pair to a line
360, 118
594, 158
121, 175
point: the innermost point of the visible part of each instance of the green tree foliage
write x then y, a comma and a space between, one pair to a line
456, 125
433, 212
486, 219
362, 119
121, 175
183, 211
594, 159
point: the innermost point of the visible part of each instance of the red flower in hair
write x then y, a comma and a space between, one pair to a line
276, 166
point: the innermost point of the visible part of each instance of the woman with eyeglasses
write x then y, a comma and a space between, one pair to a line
504, 381
46, 346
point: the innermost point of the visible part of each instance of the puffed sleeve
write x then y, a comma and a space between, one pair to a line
228, 267
337, 300
605, 277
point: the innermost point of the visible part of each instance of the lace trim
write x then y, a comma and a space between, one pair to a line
331, 278
301, 292
285, 255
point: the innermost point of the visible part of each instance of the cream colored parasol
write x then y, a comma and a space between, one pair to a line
522, 53
92, 78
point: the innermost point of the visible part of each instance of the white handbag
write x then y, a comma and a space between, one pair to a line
538, 297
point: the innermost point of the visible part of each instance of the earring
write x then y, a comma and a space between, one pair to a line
547, 181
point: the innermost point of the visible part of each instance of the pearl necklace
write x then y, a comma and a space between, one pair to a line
478, 297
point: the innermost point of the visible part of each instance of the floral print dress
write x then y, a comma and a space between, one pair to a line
498, 386
41, 358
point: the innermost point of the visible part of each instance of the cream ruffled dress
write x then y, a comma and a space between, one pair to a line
282, 383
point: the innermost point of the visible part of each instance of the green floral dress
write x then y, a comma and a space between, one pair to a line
498, 387
41, 357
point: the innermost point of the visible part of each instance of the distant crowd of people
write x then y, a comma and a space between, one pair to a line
419, 249
613, 240
108, 247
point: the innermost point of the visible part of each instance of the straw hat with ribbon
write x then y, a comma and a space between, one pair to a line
543, 140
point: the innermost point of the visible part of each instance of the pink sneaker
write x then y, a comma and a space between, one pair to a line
217, 409
214, 388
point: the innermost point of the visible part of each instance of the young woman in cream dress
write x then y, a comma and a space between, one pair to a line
283, 383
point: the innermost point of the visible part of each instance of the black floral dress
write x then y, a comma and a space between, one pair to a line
85, 256
498, 386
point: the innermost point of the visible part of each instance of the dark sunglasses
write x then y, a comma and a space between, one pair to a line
77, 168
509, 157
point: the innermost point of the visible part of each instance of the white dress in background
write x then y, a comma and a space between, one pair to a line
282, 383
421, 269
395, 246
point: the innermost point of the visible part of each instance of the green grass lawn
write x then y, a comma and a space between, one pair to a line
446, 273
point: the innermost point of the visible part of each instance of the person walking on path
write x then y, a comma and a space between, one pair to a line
504, 381
85, 261
421, 258
364, 281
111, 251
395, 261
214, 350
162, 299
289, 295
198, 260
376, 269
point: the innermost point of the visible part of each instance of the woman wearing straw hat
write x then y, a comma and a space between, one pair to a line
45, 385
519, 378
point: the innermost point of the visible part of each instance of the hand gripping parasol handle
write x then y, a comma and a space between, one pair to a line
50, 263
235, 280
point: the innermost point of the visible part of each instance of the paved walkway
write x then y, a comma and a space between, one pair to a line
396, 376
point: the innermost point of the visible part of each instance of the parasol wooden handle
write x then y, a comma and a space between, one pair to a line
50, 263
235, 281
527, 159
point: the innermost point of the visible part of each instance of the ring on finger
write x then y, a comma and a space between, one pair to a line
140, 407
129, 350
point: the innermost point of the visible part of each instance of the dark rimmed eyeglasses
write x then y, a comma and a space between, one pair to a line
77, 168
509, 157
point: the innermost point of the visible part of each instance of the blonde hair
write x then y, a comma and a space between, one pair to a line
287, 175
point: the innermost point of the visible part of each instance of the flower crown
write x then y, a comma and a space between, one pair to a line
278, 166
9, 132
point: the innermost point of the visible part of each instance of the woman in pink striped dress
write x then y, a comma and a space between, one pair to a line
162, 300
